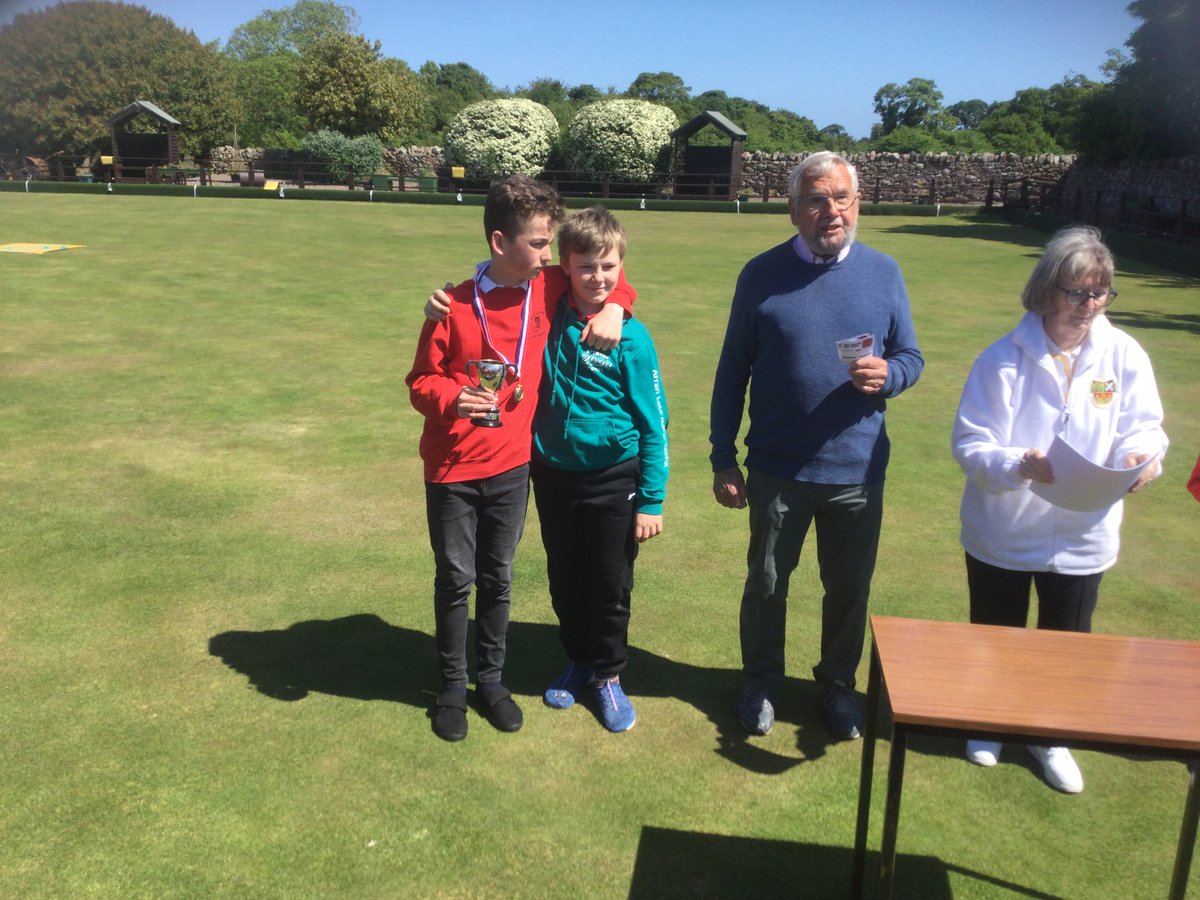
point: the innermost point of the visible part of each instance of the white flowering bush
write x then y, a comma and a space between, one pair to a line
628, 138
511, 136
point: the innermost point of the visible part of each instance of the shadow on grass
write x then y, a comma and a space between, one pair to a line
1169, 322
362, 657
1001, 232
690, 864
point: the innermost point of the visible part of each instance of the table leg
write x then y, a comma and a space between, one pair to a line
865, 777
1187, 834
891, 814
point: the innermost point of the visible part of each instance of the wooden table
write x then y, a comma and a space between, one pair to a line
1094, 691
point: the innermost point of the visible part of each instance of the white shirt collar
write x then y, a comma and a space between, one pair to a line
486, 285
805, 254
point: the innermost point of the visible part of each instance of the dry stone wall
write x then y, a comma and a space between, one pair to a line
912, 177
1170, 187
1166, 187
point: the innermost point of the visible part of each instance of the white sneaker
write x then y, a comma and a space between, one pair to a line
984, 753
1059, 768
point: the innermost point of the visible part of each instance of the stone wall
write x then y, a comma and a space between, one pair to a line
1097, 194
1103, 193
911, 177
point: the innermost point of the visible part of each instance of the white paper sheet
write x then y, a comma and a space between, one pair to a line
1081, 485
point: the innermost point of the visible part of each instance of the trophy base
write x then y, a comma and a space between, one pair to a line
487, 423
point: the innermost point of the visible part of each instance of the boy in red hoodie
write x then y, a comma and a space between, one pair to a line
477, 478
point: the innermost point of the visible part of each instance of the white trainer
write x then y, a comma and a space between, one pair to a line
1059, 768
984, 753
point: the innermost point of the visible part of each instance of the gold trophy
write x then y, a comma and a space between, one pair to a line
489, 374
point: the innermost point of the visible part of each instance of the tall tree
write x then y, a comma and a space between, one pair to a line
346, 86
552, 94
659, 87
449, 89
916, 104
268, 87
1152, 109
968, 112
66, 69
292, 30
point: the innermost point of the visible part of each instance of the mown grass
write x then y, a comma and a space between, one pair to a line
215, 634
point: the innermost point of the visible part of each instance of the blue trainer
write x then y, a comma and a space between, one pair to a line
564, 690
616, 712
842, 712
755, 712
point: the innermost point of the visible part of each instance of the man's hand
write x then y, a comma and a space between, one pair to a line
646, 526
869, 374
1148, 474
474, 402
603, 331
730, 488
437, 307
1035, 467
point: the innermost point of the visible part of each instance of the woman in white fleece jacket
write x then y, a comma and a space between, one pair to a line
1066, 371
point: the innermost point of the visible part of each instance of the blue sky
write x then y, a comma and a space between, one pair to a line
821, 60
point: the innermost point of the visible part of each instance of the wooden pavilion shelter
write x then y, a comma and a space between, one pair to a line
708, 171
141, 153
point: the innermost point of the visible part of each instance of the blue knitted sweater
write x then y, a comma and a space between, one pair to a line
807, 421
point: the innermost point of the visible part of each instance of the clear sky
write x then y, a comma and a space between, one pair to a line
821, 60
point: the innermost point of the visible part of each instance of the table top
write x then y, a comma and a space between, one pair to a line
1046, 684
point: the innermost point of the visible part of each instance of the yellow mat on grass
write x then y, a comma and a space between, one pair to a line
36, 248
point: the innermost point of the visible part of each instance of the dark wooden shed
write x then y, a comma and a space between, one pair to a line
708, 171
139, 152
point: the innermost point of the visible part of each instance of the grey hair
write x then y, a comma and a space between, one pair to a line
1076, 253
814, 166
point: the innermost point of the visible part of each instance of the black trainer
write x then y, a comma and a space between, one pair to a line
450, 715
499, 707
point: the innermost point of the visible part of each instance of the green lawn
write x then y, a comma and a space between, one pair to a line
215, 624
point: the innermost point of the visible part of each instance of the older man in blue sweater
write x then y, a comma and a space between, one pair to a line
820, 331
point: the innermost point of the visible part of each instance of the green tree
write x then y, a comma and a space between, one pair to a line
907, 139
506, 136
268, 87
583, 94
914, 104
346, 86
552, 94
659, 87
66, 69
1151, 110
449, 89
968, 112
1023, 135
289, 31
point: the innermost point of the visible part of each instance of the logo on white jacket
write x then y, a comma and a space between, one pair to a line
1103, 392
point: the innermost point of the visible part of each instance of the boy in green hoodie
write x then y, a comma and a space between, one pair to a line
599, 469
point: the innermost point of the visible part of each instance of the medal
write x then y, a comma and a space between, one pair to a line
481, 315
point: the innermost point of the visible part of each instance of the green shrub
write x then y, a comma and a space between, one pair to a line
510, 136
340, 156
630, 139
